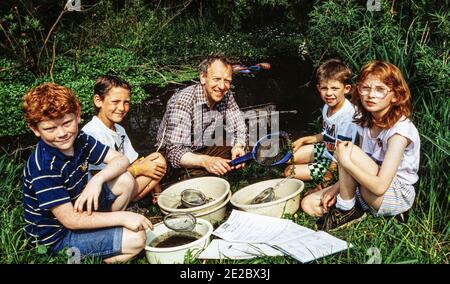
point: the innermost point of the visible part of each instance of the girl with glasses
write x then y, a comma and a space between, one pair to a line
379, 174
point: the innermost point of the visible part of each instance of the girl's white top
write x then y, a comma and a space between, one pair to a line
376, 148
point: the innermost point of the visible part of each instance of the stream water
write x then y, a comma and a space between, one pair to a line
288, 85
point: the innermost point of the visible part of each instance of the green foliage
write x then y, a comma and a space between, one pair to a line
26, 37
416, 42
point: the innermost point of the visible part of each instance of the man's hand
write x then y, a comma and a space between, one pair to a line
236, 152
150, 168
135, 222
216, 165
89, 196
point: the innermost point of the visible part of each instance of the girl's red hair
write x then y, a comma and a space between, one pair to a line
390, 75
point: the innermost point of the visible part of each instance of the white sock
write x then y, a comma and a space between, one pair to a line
345, 204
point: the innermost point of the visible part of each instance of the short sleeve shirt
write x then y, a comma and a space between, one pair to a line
376, 148
51, 178
338, 127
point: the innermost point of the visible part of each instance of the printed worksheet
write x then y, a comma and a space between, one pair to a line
221, 249
313, 246
293, 231
251, 228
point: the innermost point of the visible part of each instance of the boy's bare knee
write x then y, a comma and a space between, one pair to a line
124, 184
133, 242
141, 239
305, 204
126, 180
288, 171
161, 160
309, 206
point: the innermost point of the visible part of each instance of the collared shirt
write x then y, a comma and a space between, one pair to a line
189, 124
51, 178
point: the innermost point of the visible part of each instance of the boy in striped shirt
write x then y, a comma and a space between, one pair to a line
64, 210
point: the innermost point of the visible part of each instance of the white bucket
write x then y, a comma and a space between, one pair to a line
214, 215
288, 197
176, 254
213, 187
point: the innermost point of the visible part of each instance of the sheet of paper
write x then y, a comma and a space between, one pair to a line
313, 246
221, 249
251, 228
293, 231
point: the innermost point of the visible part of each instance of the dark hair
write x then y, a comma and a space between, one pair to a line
204, 65
104, 84
334, 69
49, 101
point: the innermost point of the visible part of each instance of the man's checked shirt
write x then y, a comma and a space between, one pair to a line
189, 124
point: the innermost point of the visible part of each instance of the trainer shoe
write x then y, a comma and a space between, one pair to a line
337, 218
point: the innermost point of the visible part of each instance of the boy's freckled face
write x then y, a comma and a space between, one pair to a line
59, 133
332, 92
114, 107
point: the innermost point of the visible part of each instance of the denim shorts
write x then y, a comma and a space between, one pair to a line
105, 242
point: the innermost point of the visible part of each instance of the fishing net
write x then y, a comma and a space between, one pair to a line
180, 222
273, 149
192, 198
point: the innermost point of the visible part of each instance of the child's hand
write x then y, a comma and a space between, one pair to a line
329, 198
150, 168
89, 196
343, 152
297, 144
135, 222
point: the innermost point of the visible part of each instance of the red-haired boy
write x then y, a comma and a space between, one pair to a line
56, 190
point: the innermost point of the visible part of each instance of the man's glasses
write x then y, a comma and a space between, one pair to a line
379, 91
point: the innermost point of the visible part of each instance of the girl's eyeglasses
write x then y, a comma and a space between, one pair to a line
379, 91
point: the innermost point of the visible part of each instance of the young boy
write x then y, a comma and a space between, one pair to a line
112, 103
56, 188
314, 154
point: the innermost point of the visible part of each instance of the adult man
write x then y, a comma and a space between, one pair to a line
192, 127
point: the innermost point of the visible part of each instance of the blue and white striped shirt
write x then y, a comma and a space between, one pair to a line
51, 178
